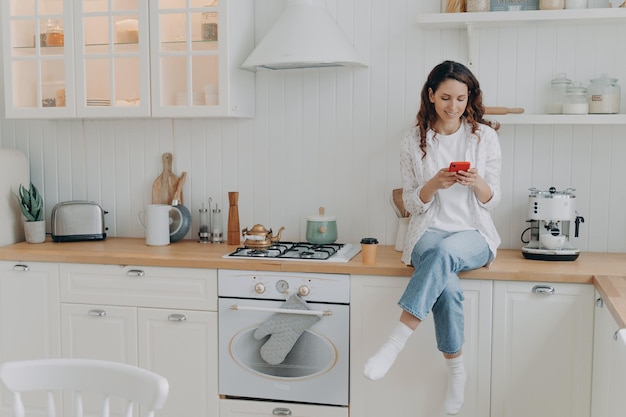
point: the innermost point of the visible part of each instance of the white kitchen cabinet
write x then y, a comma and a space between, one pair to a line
127, 58
29, 317
162, 319
239, 408
417, 383
542, 349
609, 366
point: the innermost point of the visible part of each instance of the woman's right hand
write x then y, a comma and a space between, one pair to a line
443, 179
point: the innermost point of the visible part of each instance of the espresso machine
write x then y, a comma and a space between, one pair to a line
550, 213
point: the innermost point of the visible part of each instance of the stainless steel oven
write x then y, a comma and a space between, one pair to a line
308, 316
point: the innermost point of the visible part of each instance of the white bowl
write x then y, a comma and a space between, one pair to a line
549, 241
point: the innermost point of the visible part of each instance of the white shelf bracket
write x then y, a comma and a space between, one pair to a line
472, 44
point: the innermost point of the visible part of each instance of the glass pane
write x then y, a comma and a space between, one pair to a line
127, 81
22, 7
91, 6
24, 84
53, 83
173, 27
204, 78
174, 80
171, 4
96, 30
50, 7
121, 5
97, 74
23, 33
203, 3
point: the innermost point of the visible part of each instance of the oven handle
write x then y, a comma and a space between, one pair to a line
325, 313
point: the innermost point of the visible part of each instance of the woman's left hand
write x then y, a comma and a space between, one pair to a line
470, 178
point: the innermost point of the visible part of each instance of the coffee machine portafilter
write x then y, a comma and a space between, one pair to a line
550, 213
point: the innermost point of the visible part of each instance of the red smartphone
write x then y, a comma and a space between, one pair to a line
459, 166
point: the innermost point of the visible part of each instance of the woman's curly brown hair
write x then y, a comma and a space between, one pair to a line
450, 70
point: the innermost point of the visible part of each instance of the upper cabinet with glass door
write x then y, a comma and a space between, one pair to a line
38, 58
127, 58
198, 47
112, 58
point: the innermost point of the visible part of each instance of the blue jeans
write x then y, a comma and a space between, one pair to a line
437, 257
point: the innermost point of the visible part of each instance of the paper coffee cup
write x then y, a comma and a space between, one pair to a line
369, 249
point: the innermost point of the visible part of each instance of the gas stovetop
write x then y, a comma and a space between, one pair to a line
300, 251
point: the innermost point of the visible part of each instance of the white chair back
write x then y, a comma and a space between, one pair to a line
135, 386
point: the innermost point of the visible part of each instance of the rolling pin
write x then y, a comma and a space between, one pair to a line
503, 110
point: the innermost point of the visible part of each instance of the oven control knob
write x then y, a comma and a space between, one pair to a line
282, 286
259, 288
303, 291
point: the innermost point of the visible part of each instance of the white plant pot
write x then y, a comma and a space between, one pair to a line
35, 232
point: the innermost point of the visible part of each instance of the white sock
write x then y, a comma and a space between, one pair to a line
457, 376
377, 366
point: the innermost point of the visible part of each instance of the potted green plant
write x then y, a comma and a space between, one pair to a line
31, 204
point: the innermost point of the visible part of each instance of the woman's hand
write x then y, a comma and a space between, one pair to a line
443, 179
470, 178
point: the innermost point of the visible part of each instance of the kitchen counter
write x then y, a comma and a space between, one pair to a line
607, 271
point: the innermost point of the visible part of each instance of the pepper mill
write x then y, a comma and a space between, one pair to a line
233, 219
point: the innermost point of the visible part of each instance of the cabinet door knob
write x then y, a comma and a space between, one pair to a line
135, 273
21, 267
281, 411
543, 289
97, 313
177, 317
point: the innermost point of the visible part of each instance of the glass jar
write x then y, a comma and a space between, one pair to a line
604, 95
551, 4
575, 101
54, 33
558, 87
477, 5
209, 25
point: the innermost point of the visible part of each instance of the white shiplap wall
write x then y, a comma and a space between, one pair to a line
331, 137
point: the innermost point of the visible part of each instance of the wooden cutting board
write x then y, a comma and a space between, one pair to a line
164, 187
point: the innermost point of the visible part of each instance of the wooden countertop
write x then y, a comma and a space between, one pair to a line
607, 271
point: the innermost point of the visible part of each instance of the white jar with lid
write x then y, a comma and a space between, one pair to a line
604, 95
558, 87
575, 101
575, 4
551, 4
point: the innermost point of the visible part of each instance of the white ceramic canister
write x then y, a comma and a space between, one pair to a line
551, 4
575, 4
403, 228
477, 5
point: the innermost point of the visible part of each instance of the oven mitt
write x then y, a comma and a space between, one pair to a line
285, 329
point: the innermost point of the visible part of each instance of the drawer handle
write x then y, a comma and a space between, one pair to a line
135, 273
543, 289
21, 267
281, 411
177, 317
97, 313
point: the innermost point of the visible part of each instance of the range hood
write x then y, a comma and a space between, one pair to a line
305, 36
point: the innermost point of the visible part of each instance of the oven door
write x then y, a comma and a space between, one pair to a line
314, 371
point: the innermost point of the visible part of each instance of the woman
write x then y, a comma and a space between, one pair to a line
451, 229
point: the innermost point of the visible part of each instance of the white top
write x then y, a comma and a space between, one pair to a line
483, 154
453, 213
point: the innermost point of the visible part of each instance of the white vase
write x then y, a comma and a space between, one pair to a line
35, 232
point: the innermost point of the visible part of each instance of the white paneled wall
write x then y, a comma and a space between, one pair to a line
330, 137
